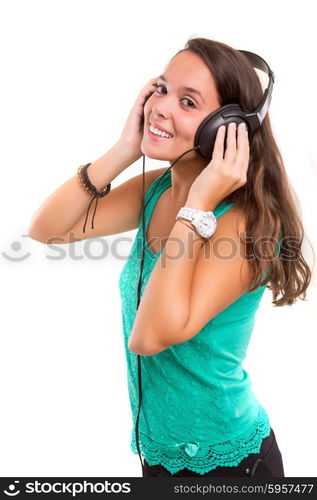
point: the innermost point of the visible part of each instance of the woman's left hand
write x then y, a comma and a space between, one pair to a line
225, 173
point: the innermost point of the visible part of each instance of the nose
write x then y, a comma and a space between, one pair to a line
162, 108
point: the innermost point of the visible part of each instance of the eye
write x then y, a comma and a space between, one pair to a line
159, 85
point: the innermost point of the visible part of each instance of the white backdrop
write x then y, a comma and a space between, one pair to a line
71, 71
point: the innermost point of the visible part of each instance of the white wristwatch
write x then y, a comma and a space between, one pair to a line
205, 223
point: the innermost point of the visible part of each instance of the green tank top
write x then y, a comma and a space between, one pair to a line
198, 409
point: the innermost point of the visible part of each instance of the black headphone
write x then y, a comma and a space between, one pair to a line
204, 142
206, 133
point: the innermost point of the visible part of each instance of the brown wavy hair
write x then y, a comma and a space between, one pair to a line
267, 199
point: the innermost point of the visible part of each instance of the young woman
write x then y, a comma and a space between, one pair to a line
199, 415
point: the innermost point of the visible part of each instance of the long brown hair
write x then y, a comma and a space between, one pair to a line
267, 199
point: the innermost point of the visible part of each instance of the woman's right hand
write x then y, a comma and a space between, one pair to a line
132, 134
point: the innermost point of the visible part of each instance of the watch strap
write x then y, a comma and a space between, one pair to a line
191, 226
194, 215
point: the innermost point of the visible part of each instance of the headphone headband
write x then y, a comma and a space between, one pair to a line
206, 133
259, 63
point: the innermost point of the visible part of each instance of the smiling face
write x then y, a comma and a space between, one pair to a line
185, 94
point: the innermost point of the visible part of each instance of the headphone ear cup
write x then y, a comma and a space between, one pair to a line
207, 131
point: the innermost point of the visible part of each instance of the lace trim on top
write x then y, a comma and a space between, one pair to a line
203, 459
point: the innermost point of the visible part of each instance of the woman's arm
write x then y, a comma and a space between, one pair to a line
165, 301
185, 292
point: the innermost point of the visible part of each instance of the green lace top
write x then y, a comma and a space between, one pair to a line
198, 409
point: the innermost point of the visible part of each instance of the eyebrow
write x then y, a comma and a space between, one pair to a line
187, 89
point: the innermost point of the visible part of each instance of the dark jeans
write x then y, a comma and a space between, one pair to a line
266, 463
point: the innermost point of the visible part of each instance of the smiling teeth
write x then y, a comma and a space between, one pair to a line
159, 132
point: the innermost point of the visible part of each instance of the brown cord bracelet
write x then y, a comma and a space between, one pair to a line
85, 183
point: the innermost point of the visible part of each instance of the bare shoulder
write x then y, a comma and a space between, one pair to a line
235, 217
230, 233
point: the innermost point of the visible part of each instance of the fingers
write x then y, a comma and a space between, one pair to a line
147, 90
231, 143
237, 143
231, 147
217, 153
150, 86
243, 151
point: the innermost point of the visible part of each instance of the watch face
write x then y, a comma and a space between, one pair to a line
206, 225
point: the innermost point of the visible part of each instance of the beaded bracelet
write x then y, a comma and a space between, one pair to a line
84, 181
86, 184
